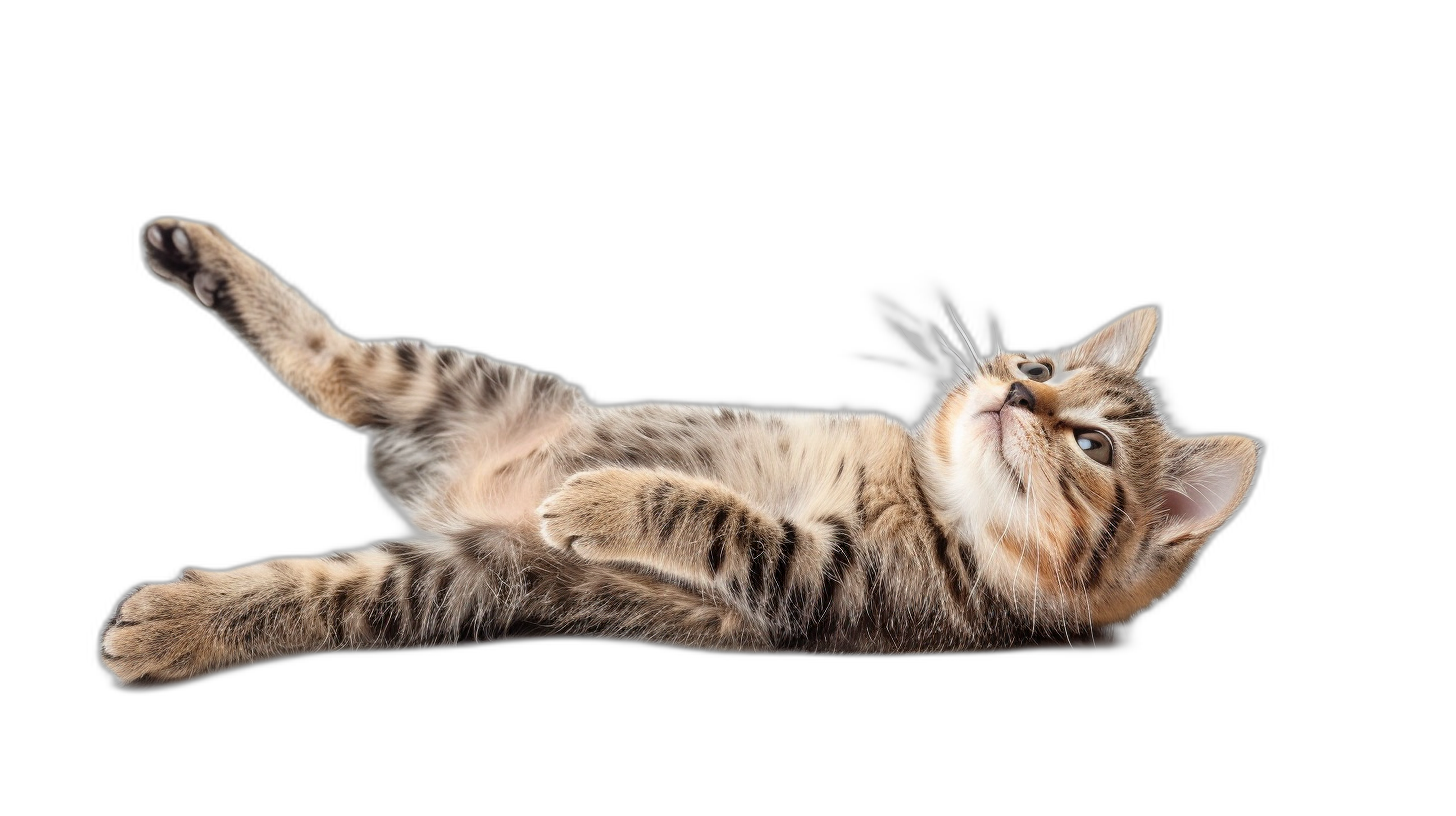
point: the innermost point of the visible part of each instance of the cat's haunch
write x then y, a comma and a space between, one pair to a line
1044, 498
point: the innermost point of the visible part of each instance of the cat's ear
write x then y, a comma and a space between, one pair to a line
1121, 344
1208, 479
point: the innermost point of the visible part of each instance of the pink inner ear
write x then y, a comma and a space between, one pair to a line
1205, 498
1181, 507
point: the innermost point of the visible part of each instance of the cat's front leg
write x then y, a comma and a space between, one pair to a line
672, 523
696, 530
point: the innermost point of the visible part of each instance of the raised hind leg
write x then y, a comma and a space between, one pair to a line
365, 384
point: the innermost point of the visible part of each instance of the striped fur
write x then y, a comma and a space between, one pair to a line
986, 527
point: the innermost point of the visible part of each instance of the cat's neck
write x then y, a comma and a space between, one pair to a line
934, 462
985, 546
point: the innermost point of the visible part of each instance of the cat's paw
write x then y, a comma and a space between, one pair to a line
160, 632
187, 254
587, 512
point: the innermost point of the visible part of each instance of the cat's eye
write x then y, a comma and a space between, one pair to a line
1036, 372
1096, 445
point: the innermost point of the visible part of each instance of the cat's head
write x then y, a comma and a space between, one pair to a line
1078, 500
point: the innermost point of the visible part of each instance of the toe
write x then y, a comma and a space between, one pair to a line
169, 250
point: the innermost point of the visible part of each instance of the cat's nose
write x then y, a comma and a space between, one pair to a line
1020, 397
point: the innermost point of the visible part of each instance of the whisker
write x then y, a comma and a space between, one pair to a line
945, 344
916, 342
997, 346
894, 361
960, 328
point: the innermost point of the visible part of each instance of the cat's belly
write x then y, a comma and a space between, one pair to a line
495, 477
793, 466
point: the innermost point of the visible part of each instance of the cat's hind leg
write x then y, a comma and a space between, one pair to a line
293, 337
390, 595
480, 586
380, 385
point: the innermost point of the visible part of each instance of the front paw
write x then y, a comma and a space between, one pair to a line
160, 632
586, 513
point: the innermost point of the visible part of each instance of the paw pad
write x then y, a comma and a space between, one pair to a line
172, 254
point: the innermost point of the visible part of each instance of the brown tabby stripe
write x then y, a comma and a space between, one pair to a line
382, 615
541, 387
400, 377
409, 356
227, 308
1103, 548
337, 605
787, 544
661, 506
445, 360
428, 430
444, 402
1066, 487
319, 589
794, 605
476, 549
694, 512
838, 529
840, 558
1078, 549
415, 599
756, 559
957, 581
1072, 495
492, 385
807, 623
443, 582
715, 537
456, 373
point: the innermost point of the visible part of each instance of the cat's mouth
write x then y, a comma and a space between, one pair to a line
995, 417
998, 434
1000, 428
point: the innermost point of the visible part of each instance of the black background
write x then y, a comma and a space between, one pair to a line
734, 270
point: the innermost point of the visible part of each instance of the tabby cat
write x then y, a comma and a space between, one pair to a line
1043, 499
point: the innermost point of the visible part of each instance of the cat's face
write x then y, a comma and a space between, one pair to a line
1078, 500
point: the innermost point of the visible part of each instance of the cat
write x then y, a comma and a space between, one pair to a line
1044, 499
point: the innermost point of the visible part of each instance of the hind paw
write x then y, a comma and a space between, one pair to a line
181, 252
160, 632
